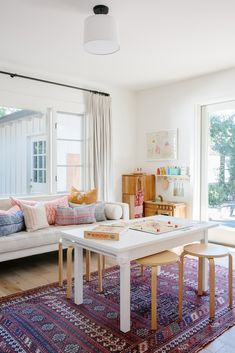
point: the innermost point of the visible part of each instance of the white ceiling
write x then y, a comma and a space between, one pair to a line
161, 40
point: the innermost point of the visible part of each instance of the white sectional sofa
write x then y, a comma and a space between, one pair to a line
24, 243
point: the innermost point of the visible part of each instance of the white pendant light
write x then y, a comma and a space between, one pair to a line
100, 32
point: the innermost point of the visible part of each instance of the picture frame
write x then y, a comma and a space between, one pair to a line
162, 145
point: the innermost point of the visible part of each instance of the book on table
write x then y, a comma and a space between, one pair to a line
105, 232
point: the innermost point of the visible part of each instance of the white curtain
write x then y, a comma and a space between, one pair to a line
99, 145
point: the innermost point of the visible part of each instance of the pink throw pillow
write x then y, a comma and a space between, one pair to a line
11, 210
50, 206
19, 202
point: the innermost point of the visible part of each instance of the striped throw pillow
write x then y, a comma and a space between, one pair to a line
35, 217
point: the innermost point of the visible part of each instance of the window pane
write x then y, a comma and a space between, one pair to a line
35, 164
68, 177
34, 176
69, 152
40, 161
40, 177
35, 148
69, 126
40, 147
70, 142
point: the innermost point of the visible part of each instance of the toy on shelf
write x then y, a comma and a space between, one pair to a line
173, 172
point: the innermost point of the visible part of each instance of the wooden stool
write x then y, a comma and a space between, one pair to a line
210, 252
153, 261
101, 268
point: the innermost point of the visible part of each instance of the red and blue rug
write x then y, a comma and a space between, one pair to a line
44, 321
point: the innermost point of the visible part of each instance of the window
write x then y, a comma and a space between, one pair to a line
30, 160
23, 167
70, 151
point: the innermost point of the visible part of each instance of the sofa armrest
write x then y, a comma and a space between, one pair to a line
125, 209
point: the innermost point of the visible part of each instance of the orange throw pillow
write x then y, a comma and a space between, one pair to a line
80, 197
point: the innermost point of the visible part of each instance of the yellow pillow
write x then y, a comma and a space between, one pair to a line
80, 197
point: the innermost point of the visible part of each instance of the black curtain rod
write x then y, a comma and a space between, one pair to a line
13, 75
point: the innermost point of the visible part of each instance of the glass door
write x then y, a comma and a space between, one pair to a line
218, 170
38, 180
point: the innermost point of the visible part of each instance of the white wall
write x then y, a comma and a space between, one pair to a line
174, 106
27, 94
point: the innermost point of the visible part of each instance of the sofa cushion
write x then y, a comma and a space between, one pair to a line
25, 240
113, 211
50, 206
35, 217
11, 221
78, 215
99, 210
80, 197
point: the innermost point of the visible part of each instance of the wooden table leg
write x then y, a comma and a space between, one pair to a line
78, 275
100, 284
181, 281
154, 298
125, 314
212, 288
103, 264
60, 264
230, 280
200, 270
88, 262
205, 265
69, 271
142, 269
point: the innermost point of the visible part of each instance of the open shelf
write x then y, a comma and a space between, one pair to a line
182, 177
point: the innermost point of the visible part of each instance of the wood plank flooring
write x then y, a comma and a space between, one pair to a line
22, 274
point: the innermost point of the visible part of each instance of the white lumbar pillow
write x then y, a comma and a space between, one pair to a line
35, 217
113, 211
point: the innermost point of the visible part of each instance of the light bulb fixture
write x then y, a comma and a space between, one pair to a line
100, 32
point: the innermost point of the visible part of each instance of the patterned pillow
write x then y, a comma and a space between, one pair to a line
50, 206
35, 217
80, 197
11, 221
99, 210
79, 215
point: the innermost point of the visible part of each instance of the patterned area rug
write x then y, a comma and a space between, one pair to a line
44, 321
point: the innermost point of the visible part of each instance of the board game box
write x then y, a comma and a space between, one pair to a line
105, 232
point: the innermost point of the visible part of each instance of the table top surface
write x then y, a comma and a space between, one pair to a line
132, 239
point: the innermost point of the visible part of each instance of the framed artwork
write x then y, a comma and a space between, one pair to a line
162, 145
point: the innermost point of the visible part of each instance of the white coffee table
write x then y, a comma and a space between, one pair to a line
132, 245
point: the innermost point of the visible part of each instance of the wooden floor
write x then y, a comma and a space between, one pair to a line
31, 272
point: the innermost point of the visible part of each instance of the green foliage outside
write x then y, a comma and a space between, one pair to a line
6, 111
222, 134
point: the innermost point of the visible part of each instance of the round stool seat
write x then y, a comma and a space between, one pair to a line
159, 259
206, 250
